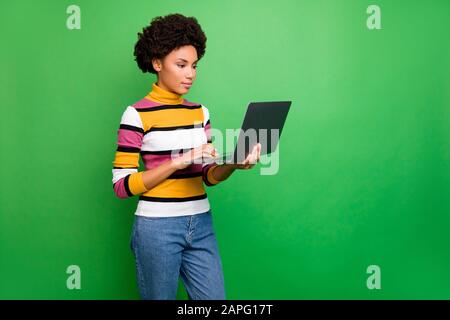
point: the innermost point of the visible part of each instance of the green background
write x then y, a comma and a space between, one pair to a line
364, 155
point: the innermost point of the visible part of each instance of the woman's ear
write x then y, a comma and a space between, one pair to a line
156, 64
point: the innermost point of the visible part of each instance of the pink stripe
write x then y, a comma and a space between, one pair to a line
193, 168
145, 103
208, 131
119, 189
128, 138
189, 103
152, 161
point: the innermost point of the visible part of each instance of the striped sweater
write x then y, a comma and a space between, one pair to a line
154, 127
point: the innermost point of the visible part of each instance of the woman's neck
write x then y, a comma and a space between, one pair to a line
160, 95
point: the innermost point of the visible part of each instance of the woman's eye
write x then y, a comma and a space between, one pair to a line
182, 66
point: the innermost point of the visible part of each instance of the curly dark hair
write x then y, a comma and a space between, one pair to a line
165, 34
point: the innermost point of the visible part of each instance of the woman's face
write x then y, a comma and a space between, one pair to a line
177, 70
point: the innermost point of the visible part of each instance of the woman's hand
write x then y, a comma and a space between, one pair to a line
252, 158
205, 151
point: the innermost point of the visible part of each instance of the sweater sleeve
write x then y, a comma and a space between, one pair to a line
207, 169
127, 180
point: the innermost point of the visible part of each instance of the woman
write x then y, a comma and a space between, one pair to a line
173, 231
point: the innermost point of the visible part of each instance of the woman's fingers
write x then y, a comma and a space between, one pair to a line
258, 152
255, 154
208, 151
252, 158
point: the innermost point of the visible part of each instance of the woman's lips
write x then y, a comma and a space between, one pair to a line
187, 85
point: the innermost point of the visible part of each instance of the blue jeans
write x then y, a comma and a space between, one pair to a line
167, 247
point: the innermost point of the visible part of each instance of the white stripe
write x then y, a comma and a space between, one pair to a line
131, 117
205, 120
205, 114
171, 209
174, 139
120, 173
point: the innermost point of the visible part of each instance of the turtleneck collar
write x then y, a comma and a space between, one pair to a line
160, 95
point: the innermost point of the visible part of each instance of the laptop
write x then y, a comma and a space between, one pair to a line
263, 123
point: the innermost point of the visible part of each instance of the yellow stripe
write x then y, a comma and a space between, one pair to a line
126, 159
210, 177
177, 188
161, 95
171, 117
136, 184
